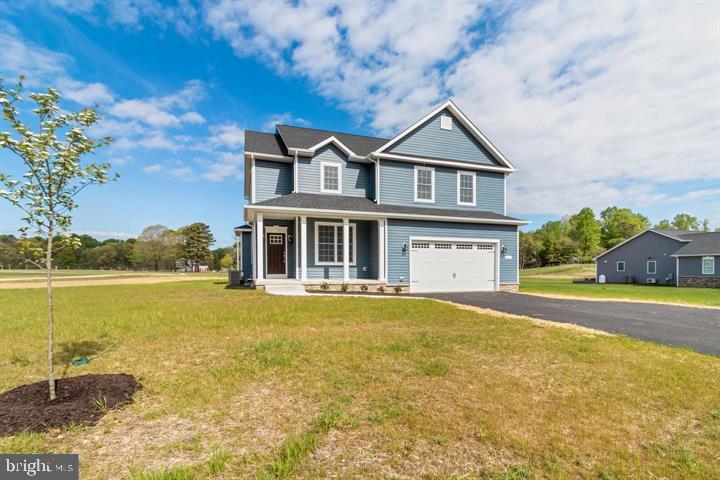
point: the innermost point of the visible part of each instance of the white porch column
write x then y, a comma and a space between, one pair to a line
297, 243
260, 246
237, 251
381, 250
253, 258
346, 249
303, 248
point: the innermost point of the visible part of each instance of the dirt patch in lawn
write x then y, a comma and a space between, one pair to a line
80, 400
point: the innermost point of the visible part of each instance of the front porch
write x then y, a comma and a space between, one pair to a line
312, 250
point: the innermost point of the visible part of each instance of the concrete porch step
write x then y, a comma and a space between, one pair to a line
292, 289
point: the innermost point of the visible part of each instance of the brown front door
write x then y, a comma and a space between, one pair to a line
276, 254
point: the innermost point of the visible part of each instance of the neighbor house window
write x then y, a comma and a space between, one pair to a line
330, 177
620, 266
466, 188
424, 184
708, 265
329, 244
651, 267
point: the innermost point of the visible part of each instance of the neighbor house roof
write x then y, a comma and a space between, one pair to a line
676, 234
699, 243
361, 205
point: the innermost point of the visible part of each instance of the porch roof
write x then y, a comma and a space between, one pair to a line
364, 206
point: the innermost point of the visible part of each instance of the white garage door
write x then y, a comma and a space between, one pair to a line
452, 266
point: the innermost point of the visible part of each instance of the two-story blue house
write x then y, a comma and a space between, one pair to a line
424, 210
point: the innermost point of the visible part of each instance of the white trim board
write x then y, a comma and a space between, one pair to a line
442, 163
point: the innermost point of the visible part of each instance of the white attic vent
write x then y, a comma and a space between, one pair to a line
446, 122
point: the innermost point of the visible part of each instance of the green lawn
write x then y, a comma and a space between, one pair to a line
241, 384
34, 273
709, 297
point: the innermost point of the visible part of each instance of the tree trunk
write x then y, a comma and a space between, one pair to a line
48, 269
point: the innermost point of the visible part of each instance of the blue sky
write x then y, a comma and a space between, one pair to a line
596, 104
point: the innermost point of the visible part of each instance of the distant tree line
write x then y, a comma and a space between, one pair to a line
158, 248
580, 237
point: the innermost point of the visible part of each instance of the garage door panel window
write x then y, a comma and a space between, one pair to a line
708, 266
329, 244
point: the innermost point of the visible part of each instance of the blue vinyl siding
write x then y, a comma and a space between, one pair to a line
272, 179
366, 253
247, 254
397, 188
400, 231
458, 144
358, 179
692, 267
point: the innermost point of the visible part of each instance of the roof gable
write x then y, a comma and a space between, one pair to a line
465, 142
662, 233
310, 139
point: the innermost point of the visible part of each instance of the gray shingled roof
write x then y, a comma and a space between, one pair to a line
361, 204
299, 137
676, 234
701, 243
262, 142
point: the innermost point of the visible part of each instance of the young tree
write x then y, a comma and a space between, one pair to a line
196, 241
54, 173
227, 261
585, 230
156, 247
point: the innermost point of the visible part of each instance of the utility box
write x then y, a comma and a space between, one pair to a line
235, 278
601, 279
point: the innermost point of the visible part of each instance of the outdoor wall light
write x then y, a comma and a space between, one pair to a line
290, 239
503, 250
404, 248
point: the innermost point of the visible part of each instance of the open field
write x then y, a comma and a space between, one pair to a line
240, 384
706, 297
560, 271
81, 278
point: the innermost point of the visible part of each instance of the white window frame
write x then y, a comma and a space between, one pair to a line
460, 173
337, 225
446, 122
323, 164
432, 184
647, 267
617, 266
712, 266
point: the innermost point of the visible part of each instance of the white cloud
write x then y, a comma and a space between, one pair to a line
193, 118
144, 111
229, 166
162, 111
285, 118
154, 168
228, 135
183, 173
86, 94
595, 103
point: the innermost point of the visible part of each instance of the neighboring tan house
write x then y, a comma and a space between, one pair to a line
424, 210
674, 257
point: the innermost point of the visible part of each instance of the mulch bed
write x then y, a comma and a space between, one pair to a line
80, 400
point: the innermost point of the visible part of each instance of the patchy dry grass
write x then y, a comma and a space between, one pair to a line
241, 384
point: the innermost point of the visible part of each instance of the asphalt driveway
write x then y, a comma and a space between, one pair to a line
696, 328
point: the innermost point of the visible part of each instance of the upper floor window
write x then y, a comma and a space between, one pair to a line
466, 188
620, 266
708, 265
424, 184
330, 177
651, 267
